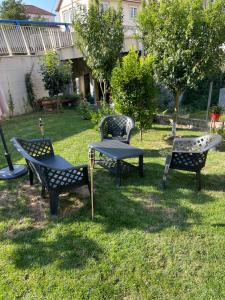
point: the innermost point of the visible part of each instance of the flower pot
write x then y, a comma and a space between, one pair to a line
215, 117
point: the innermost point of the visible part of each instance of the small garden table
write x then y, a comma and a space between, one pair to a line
112, 155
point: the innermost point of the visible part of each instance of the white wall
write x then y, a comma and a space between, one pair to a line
12, 76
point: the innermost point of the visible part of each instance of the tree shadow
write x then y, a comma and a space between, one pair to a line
65, 250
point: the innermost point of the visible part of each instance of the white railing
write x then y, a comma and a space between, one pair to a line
29, 40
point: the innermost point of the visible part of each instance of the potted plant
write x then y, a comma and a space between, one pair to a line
215, 112
56, 76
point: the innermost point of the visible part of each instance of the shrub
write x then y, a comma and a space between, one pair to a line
56, 74
133, 89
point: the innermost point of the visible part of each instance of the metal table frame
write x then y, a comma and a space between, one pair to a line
114, 163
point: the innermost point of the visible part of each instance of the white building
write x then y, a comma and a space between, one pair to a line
36, 13
65, 8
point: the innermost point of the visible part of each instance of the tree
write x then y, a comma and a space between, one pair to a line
185, 38
99, 35
56, 74
12, 9
133, 89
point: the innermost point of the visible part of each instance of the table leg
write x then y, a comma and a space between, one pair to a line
91, 165
141, 166
118, 173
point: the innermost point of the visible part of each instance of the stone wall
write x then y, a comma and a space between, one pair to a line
12, 77
194, 124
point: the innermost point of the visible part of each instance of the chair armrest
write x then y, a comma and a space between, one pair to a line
186, 145
129, 131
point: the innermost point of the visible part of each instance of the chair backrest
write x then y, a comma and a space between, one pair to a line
198, 144
117, 125
33, 150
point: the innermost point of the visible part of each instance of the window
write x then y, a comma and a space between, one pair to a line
133, 12
66, 16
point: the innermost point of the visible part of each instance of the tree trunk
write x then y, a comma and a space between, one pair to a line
141, 134
103, 86
176, 111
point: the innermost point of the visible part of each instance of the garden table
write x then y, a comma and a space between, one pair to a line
112, 155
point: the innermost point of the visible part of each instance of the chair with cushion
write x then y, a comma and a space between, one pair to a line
189, 154
116, 127
55, 174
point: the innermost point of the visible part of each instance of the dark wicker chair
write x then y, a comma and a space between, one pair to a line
55, 174
190, 154
116, 128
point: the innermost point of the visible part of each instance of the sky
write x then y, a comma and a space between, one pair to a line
45, 4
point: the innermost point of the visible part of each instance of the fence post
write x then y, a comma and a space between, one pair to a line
6, 41
24, 40
42, 39
60, 44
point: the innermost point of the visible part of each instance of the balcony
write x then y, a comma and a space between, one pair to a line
30, 38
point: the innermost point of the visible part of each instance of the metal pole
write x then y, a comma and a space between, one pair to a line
92, 161
209, 100
42, 129
24, 40
7, 155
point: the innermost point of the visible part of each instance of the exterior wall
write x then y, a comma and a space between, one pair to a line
44, 17
12, 76
126, 5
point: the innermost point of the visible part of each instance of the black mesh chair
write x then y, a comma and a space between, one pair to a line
189, 154
116, 128
55, 174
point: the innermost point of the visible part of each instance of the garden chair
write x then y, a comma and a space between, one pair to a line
189, 154
116, 128
55, 174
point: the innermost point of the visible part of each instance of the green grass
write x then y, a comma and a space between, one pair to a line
143, 244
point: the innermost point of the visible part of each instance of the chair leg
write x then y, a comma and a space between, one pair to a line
199, 183
166, 172
54, 202
43, 190
31, 176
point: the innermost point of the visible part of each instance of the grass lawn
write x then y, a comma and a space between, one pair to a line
143, 244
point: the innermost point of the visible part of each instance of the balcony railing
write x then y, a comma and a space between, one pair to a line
29, 40
31, 37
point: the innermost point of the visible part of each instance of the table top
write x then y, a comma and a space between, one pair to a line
116, 150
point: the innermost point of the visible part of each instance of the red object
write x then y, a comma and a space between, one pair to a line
214, 117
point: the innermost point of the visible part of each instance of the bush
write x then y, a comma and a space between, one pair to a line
56, 74
134, 90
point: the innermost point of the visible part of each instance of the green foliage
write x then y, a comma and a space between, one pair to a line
99, 113
133, 88
85, 110
99, 36
185, 39
196, 99
216, 109
12, 9
95, 114
56, 74
11, 104
30, 91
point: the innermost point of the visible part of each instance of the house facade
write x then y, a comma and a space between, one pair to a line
66, 9
36, 13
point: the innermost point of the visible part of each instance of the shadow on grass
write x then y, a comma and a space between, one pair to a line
138, 204
66, 251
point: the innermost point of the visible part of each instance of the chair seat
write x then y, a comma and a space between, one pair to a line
117, 138
56, 161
